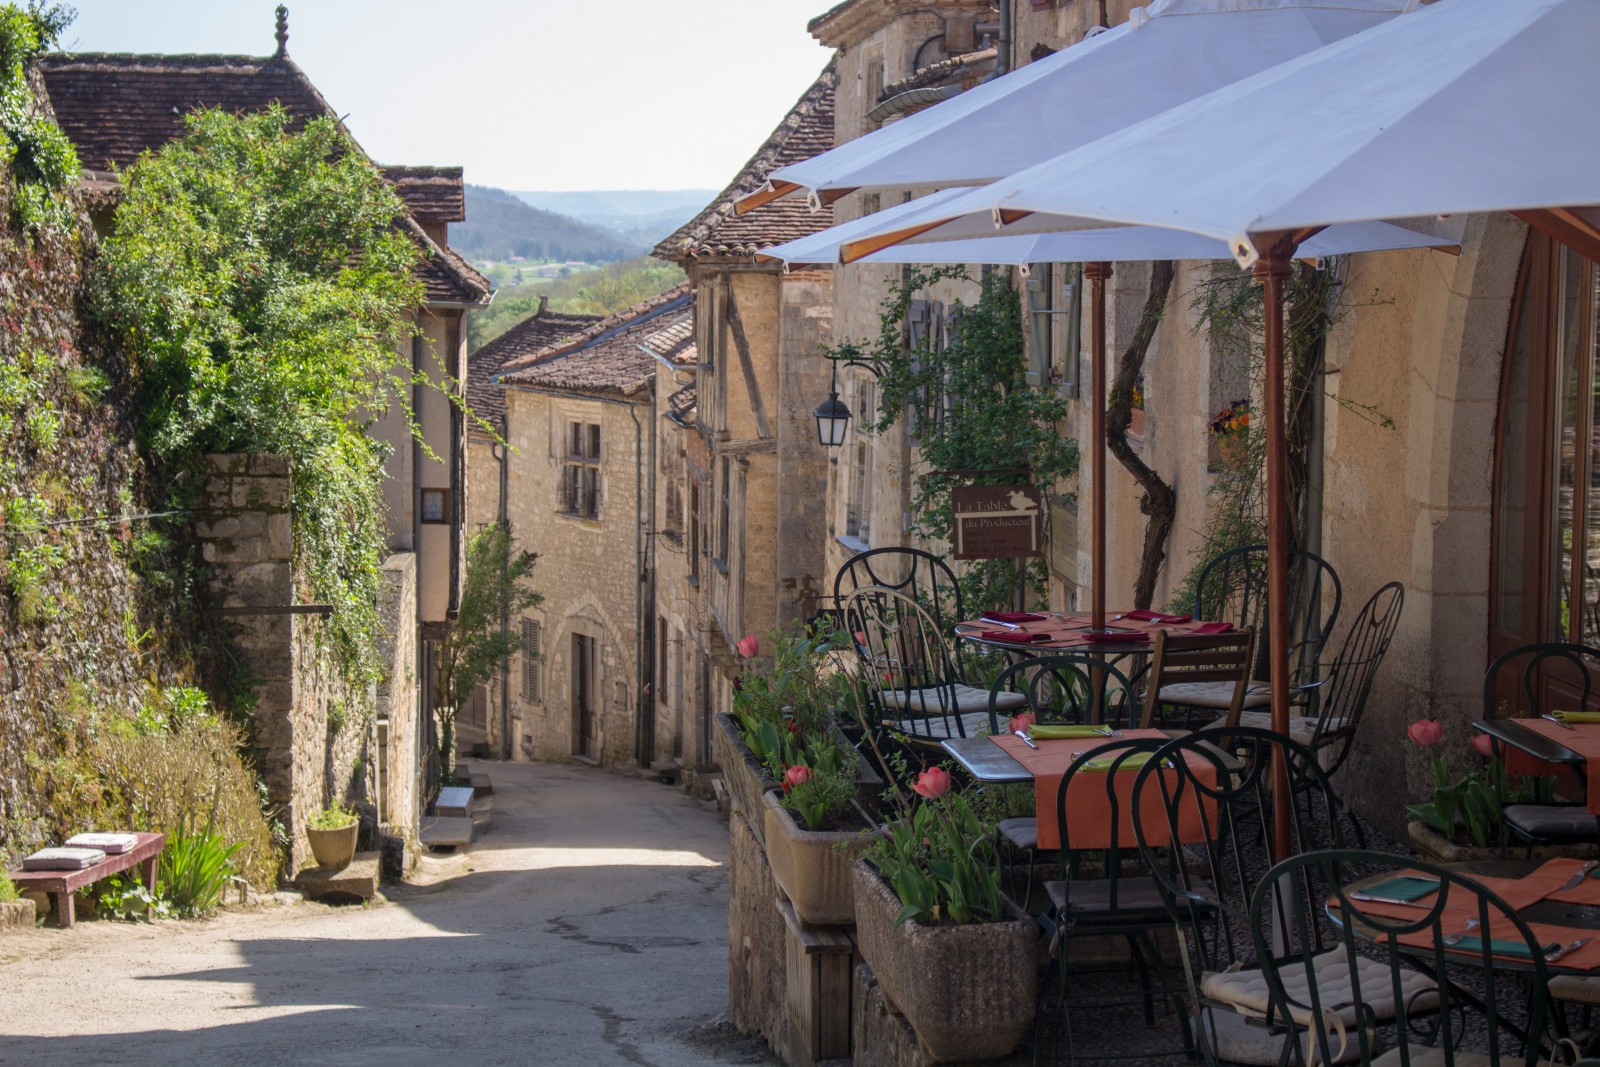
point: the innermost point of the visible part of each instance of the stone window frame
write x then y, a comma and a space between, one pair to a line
582, 458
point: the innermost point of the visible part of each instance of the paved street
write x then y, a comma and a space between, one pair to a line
587, 926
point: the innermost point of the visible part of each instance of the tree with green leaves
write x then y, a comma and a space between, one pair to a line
259, 284
479, 642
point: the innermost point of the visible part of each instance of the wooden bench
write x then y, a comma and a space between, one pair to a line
61, 885
454, 801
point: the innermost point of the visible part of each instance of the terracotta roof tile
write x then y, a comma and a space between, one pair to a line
432, 194
609, 356
532, 335
717, 231
675, 343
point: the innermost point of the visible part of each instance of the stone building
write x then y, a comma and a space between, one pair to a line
116, 106
492, 717
578, 491
741, 470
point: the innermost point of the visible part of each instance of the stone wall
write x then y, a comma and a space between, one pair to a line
397, 696
310, 735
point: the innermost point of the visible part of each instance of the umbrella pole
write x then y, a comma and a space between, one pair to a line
1271, 270
1097, 273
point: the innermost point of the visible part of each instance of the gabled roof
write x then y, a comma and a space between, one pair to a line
674, 344
610, 356
534, 334
806, 131
116, 106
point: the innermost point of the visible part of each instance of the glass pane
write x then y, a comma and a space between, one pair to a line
1570, 378
1589, 339
1512, 506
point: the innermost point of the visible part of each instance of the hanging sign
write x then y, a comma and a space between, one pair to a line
998, 522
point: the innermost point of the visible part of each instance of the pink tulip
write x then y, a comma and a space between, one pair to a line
932, 783
799, 774
749, 646
1425, 732
1484, 744
1022, 721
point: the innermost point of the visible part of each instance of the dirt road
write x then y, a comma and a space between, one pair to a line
587, 926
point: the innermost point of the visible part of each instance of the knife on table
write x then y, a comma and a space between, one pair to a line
1025, 738
1583, 872
1564, 725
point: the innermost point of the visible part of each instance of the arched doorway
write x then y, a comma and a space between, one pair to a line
1545, 579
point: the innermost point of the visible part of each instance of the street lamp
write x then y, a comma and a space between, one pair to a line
832, 414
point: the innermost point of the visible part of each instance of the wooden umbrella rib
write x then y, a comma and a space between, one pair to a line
773, 190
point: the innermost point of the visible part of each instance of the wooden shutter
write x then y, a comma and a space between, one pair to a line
531, 637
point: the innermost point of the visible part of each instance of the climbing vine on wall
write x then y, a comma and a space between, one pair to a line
965, 394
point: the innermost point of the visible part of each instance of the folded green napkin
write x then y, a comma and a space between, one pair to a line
1403, 887
1047, 732
1498, 947
1577, 716
1120, 762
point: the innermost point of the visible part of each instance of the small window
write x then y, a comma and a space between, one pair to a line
580, 471
436, 505
531, 637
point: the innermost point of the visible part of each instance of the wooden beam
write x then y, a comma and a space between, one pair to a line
1573, 227
742, 344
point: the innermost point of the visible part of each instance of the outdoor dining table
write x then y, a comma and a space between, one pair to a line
1007, 759
1539, 746
1129, 632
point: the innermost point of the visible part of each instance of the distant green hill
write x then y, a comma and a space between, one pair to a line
500, 225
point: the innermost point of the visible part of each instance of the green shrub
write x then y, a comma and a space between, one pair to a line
8, 888
195, 868
335, 816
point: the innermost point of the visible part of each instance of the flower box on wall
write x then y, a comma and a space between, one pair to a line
812, 868
744, 777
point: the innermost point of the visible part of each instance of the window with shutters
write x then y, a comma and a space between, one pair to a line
532, 635
724, 514
580, 471
858, 496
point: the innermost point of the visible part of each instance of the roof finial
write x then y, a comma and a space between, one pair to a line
283, 32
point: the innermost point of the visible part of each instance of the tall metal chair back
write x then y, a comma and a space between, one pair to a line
1520, 673
1336, 703
1194, 665
1442, 930
918, 574
1067, 688
1233, 588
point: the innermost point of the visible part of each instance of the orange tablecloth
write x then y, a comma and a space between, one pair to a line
1089, 806
1583, 738
1071, 632
1519, 893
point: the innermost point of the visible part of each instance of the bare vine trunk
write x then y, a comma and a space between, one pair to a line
1159, 503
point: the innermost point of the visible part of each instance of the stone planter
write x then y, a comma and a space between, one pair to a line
811, 868
16, 914
744, 777
334, 849
969, 991
1437, 849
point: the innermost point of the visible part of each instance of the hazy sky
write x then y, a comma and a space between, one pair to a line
525, 94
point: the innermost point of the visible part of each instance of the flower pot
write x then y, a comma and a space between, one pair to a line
812, 868
334, 849
745, 778
969, 991
1436, 848
1136, 422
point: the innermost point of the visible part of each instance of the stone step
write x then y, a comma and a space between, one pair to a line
481, 786
355, 882
445, 832
454, 800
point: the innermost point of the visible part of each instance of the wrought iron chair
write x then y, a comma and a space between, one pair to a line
1060, 689
1192, 671
912, 689
1228, 815
921, 575
1543, 822
1336, 701
1381, 987
1104, 894
1233, 588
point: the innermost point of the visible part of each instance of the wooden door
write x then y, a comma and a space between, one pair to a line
585, 696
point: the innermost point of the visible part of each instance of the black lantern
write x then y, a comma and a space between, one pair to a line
832, 415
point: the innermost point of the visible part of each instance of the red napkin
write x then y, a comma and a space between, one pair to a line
1115, 638
1013, 616
1012, 637
1156, 616
1213, 628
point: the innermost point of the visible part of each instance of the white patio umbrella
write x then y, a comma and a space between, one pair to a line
1461, 107
1168, 52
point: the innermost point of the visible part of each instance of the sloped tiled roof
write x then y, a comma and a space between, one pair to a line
717, 231
534, 334
609, 356
431, 194
675, 343
116, 106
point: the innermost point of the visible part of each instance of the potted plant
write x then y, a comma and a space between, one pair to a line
813, 834
332, 833
1230, 429
947, 949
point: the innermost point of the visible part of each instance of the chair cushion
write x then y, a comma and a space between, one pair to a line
1551, 822
1217, 695
935, 700
1091, 896
1302, 728
1245, 990
1022, 831
975, 724
1583, 989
